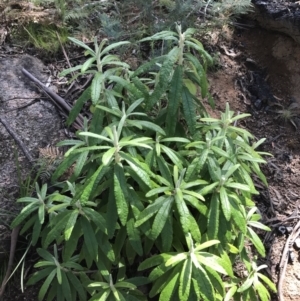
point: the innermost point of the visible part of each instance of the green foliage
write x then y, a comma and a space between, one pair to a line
159, 189
44, 37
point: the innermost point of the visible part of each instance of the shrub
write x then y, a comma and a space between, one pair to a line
160, 193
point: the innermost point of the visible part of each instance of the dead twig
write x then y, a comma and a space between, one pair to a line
17, 139
284, 259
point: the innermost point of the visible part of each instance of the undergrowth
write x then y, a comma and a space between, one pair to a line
159, 202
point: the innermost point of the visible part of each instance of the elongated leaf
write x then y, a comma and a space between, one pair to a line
72, 244
196, 165
139, 171
25, 212
205, 286
77, 285
90, 240
128, 86
189, 109
96, 218
267, 281
213, 217
56, 231
150, 211
120, 187
134, 237
46, 285
113, 46
161, 217
225, 203
172, 155
70, 224
174, 98
108, 155
237, 216
79, 164
96, 87
63, 167
146, 66
164, 76
185, 280
170, 288
89, 185
83, 45
183, 211
256, 241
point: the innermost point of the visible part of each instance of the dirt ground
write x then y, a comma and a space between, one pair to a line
258, 73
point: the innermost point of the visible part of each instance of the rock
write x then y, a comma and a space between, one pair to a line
37, 125
278, 15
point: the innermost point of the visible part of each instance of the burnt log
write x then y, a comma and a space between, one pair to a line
278, 15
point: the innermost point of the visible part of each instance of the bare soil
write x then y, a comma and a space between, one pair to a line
258, 73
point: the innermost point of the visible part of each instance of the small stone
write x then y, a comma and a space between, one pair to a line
297, 243
258, 104
282, 229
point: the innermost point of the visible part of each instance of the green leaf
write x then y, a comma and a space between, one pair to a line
134, 237
89, 185
120, 187
213, 217
183, 211
139, 171
128, 86
150, 211
36, 231
163, 78
196, 165
270, 284
174, 98
55, 232
89, 238
65, 164
256, 241
113, 46
96, 87
72, 243
225, 203
96, 218
25, 212
88, 64
205, 287
83, 45
172, 155
237, 186
108, 155
46, 284
146, 66
169, 289
185, 280
77, 285
66, 287
176, 259
39, 275
189, 110
70, 224
161, 217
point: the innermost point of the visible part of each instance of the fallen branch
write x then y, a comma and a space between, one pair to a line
285, 257
57, 100
15, 232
